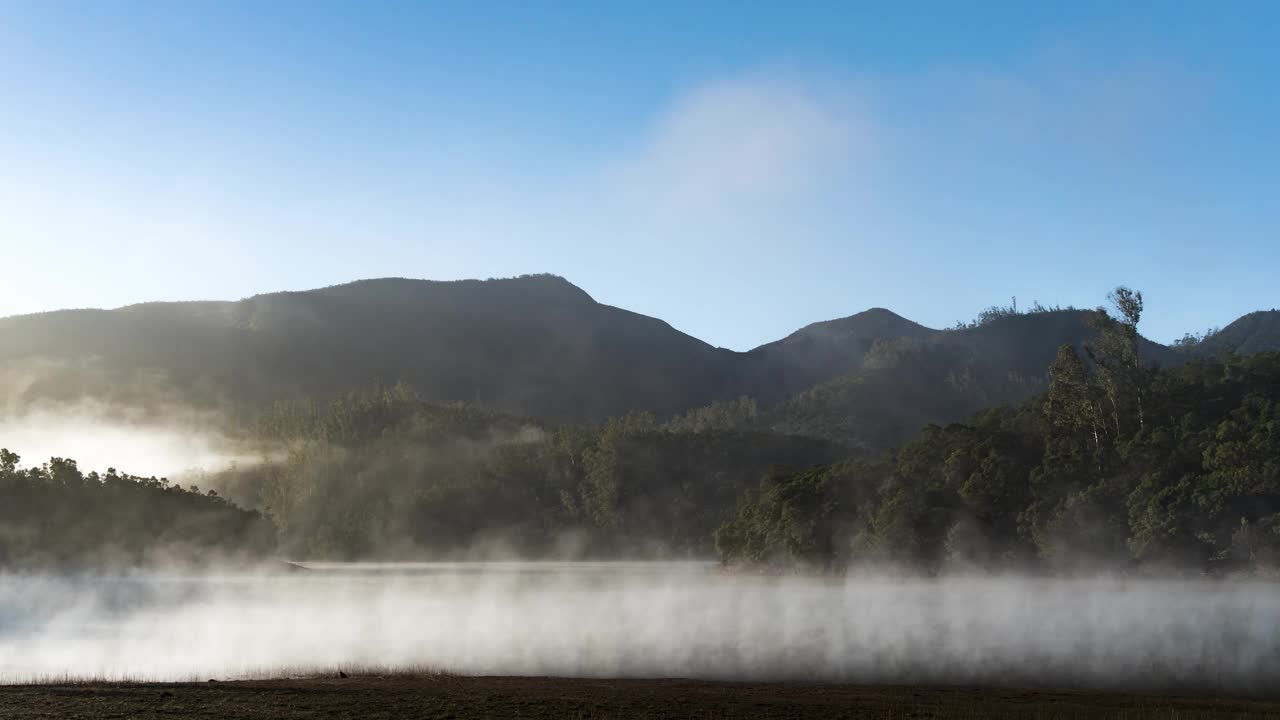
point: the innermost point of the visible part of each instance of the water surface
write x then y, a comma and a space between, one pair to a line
642, 620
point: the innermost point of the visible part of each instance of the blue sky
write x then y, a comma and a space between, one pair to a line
737, 169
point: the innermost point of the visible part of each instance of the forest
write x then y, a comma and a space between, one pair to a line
1117, 466
57, 515
382, 474
1116, 453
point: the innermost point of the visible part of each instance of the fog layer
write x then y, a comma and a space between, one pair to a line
99, 437
645, 620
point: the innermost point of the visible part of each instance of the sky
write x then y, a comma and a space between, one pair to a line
737, 169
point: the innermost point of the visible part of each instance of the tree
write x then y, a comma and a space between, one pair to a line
1116, 358
1128, 305
8, 462
1072, 401
55, 515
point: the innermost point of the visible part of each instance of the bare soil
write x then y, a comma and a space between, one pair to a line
532, 698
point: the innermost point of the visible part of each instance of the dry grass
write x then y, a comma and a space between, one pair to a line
374, 692
353, 671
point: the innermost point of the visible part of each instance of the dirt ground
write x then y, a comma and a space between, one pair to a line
531, 698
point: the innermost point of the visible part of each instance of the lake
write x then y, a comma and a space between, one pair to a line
642, 620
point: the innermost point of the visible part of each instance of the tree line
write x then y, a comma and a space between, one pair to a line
382, 474
56, 515
1117, 465
1112, 463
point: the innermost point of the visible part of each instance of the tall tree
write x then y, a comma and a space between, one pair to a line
1115, 356
1072, 401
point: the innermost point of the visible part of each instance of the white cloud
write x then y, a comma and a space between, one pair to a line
744, 151
731, 145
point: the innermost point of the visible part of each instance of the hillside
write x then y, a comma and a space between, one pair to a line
938, 377
540, 347
818, 352
481, 450
56, 515
1107, 469
383, 475
535, 345
1253, 333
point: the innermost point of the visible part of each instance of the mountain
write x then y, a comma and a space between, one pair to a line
820, 351
939, 377
1253, 333
536, 346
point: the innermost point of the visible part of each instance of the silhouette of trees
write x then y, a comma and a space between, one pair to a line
1116, 464
380, 474
57, 515
1084, 456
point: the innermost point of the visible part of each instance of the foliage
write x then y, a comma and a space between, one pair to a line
1086, 454
795, 517
994, 313
1115, 465
719, 416
1252, 333
903, 385
1049, 484
383, 474
56, 515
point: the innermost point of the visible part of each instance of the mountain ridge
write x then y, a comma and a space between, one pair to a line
534, 345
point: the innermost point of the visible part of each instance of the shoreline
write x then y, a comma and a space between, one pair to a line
437, 695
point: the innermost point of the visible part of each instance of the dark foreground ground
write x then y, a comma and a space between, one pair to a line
467, 697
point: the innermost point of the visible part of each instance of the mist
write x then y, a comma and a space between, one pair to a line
644, 620
97, 436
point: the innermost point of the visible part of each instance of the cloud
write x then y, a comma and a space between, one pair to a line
765, 146
733, 144
838, 189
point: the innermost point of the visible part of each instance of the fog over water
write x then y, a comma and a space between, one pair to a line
644, 620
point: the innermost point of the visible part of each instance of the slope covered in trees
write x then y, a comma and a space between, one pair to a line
1101, 447
534, 346
1116, 465
55, 515
902, 382
815, 353
1256, 332
383, 474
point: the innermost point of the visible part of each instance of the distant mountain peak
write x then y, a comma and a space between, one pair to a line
542, 286
534, 345
872, 322
1258, 331
877, 311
